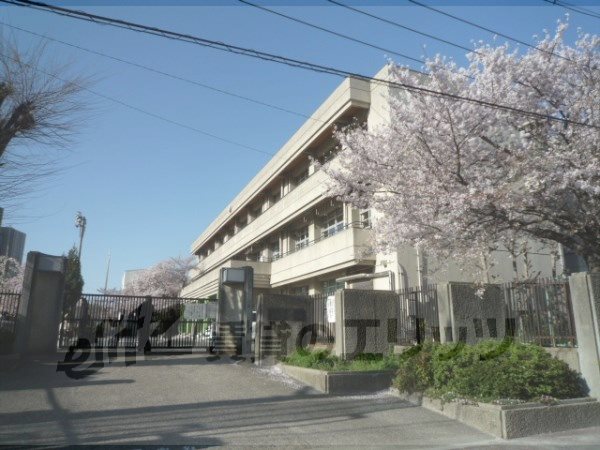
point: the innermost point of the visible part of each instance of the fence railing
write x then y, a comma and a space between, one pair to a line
418, 318
540, 312
9, 308
325, 329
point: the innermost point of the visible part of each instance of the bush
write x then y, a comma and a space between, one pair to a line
487, 371
415, 370
323, 360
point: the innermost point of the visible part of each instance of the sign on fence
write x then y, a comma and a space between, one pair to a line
330, 307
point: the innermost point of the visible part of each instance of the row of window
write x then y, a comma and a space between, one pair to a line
245, 219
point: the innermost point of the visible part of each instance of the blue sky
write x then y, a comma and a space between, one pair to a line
147, 187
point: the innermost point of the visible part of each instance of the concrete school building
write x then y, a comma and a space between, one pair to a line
299, 241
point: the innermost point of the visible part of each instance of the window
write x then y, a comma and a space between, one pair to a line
275, 196
301, 176
330, 286
365, 218
334, 223
299, 290
242, 222
255, 213
274, 249
301, 239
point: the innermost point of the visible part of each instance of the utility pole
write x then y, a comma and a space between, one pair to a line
107, 271
80, 222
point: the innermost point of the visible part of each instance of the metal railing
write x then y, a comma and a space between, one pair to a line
9, 308
418, 318
540, 312
113, 321
325, 329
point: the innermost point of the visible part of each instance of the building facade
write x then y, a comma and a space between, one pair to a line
12, 243
298, 240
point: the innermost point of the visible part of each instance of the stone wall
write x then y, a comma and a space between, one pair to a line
281, 322
366, 322
473, 318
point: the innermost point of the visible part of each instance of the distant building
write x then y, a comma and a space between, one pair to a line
130, 277
12, 243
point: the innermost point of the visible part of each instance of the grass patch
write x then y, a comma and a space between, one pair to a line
324, 360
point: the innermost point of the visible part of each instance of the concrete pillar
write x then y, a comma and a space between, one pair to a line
312, 231
445, 312
585, 297
41, 304
346, 208
234, 316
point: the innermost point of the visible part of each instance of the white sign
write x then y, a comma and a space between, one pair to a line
330, 306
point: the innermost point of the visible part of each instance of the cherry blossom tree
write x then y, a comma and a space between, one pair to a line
11, 274
462, 179
165, 279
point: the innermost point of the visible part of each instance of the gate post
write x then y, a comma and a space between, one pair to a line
585, 298
445, 312
41, 304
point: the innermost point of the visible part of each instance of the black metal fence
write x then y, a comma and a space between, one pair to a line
9, 307
113, 321
540, 312
418, 318
325, 328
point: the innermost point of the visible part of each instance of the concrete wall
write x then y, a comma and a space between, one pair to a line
280, 320
585, 298
403, 263
471, 318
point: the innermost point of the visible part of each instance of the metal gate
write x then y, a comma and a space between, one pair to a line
113, 321
9, 306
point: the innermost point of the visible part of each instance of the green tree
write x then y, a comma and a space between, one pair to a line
73, 280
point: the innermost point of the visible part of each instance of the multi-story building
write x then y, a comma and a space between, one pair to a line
296, 238
12, 243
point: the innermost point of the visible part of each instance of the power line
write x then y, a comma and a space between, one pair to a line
571, 7
489, 30
399, 25
332, 32
81, 15
160, 72
140, 110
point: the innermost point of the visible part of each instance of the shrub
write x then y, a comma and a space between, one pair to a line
488, 371
323, 360
415, 370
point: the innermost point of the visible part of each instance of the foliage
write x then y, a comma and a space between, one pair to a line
73, 280
487, 371
39, 108
165, 279
463, 179
11, 274
323, 360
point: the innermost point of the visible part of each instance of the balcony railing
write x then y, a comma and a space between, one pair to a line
306, 244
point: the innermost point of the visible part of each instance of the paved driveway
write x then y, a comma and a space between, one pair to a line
187, 399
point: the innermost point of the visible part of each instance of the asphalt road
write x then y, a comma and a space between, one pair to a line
181, 399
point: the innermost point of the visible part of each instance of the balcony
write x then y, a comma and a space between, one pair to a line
342, 249
294, 203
